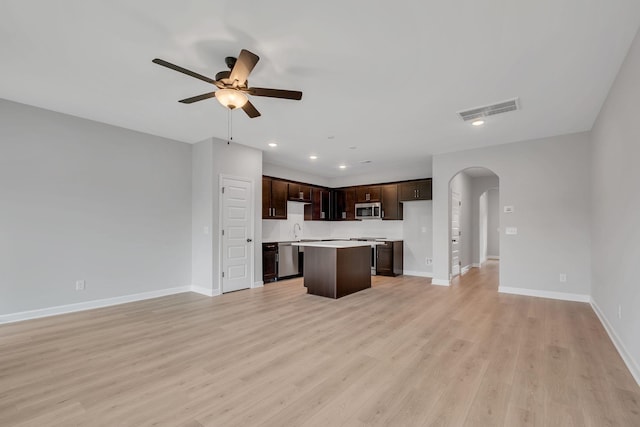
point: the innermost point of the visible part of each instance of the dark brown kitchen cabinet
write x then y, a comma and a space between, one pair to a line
269, 262
391, 206
368, 193
299, 192
415, 190
274, 198
345, 202
389, 258
320, 203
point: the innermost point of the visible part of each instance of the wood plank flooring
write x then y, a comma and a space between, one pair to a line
403, 353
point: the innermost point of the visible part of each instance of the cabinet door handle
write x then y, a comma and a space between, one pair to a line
418, 192
383, 213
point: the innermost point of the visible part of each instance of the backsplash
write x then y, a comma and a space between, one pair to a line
283, 230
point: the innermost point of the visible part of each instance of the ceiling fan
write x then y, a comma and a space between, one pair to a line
233, 85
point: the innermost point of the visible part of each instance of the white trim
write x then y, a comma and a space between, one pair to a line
89, 305
259, 284
632, 365
476, 265
493, 257
440, 282
465, 269
205, 291
545, 294
417, 273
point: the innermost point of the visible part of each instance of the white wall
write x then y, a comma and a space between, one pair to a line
493, 223
231, 160
278, 171
282, 230
615, 205
418, 236
402, 172
461, 183
480, 185
81, 200
202, 217
482, 231
547, 182
239, 161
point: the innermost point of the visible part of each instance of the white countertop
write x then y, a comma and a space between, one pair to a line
337, 244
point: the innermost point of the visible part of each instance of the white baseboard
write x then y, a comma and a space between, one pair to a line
88, 305
440, 282
476, 265
259, 284
493, 257
205, 291
465, 269
417, 273
545, 294
632, 365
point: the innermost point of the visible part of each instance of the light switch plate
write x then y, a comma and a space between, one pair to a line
512, 231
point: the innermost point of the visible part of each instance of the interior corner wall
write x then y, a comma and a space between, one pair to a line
82, 200
615, 205
547, 182
241, 162
493, 223
478, 186
461, 183
202, 217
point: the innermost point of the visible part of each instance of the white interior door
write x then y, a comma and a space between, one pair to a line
455, 233
237, 234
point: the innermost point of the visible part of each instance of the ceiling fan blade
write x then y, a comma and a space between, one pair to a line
275, 93
183, 70
250, 110
244, 64
198, 98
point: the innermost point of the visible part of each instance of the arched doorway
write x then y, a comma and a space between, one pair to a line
473, 220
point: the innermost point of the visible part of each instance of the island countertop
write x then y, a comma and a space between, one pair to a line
336, 244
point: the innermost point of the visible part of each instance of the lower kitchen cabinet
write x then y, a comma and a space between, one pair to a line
269, 262
389, 258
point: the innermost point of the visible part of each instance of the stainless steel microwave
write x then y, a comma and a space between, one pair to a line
368, 210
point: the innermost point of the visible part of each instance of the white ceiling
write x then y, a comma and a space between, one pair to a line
387, 78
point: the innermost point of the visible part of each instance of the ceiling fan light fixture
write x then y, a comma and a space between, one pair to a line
231, 98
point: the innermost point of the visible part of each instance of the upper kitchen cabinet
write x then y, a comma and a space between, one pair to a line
274, 198
299, 192
320, 204
345, 204
391, 206
415, 190
368, 193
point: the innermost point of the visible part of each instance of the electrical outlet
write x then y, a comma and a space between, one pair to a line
563, 278
619, 312
80, 285
428, 261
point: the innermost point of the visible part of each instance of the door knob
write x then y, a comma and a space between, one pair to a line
249, 240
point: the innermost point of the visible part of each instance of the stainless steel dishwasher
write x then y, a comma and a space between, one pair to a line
287, 260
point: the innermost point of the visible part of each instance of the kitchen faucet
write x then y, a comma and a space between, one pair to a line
295, 235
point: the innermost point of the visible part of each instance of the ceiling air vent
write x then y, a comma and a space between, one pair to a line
490, 110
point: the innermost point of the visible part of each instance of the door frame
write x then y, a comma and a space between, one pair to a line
221, 179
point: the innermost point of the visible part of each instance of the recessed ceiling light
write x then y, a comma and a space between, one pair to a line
342, 166
313, 157
273, 144
477, 122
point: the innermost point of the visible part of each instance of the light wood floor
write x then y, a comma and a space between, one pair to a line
403, 353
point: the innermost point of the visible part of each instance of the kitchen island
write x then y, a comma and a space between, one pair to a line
336, 268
